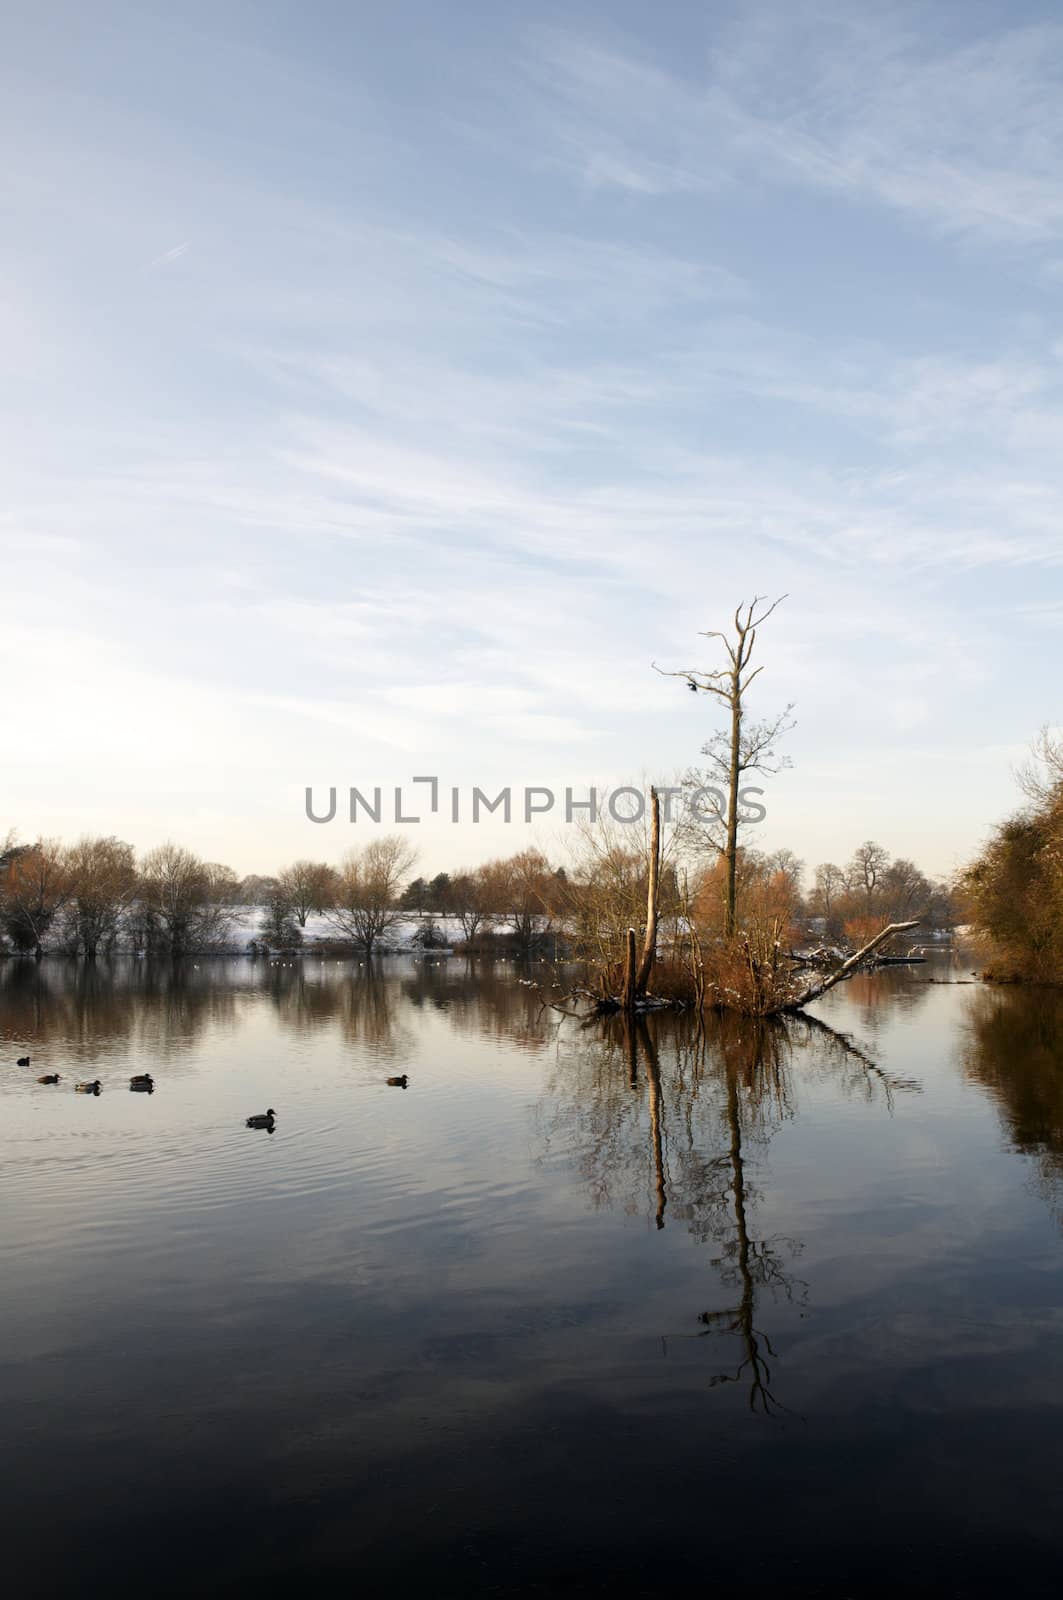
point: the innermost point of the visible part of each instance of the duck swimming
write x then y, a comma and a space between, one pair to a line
88, 1088
142, 1082
23, 1061
264, 1119
400, 1082
49, 1077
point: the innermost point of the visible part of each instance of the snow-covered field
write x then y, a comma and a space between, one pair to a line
248, 922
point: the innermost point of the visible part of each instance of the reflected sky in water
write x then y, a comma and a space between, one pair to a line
581, 1309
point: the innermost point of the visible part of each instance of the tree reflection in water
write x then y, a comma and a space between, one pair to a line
663, 1116
688, 1147
1013, 1046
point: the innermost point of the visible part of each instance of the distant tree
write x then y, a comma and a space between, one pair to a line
185, 902
224, 884
1014, 890
307, 886
785, 864
256, 890
866, 868
415, 895
829, 887
279, 928
517, 889
904, 890
439, 893
946, 906
469, 902
103, 884
36, 885
366, 905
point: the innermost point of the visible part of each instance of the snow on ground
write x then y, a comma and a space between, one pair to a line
248, 921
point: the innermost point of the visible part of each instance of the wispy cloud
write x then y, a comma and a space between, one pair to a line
967, 134
172, 255
439, 469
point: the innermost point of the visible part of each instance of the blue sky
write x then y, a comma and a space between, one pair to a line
384, 387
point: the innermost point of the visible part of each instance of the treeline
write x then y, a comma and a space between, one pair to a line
90, 897
83, 898
1015, 887
872, 889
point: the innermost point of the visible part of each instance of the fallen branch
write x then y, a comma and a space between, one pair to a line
848, 967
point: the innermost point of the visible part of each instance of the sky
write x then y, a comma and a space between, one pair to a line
385, 388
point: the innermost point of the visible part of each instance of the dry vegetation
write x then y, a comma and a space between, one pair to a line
1015, 888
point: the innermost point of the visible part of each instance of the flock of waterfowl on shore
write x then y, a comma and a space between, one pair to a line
144, 1083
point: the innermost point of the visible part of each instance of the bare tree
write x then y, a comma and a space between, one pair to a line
1041, 775
468, 891
829, 886
366, 904
522, 890
868, 864
185, 902
36, 885
104, 882
621, 875
257, 890
905, 889
743, 746
307, 886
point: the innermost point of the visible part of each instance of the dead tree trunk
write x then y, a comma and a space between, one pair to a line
749, 747
653, 894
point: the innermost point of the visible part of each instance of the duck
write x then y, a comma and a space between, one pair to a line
23, 1061
399, 1083
49, 1077
142, 1081
88, 1088
263, 1119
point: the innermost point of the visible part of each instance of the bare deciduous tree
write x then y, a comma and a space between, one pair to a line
185, 902
470, 900
623, 875
905, 889
104, 882
307, 886
743, 746
522, 890
35, 887
829, 886
366, 903
868, 864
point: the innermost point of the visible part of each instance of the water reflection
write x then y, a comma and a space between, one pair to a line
1013, 1046
691, 1146
565, 1253
98, 1007
144, 1007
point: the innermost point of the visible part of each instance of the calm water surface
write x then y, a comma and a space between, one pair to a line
581, 1310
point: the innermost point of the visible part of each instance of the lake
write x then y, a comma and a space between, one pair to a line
580, 1310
